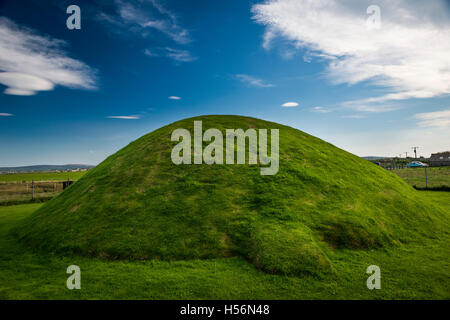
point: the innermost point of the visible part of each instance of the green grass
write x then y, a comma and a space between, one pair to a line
41, 176
437, 176
413, 271
323, 203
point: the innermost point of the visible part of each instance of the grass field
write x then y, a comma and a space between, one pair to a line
17, 188
41, 176
416, 271
436, 176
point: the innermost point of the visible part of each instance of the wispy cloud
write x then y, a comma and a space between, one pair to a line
150, 53
174, 98
6, 114
253, 81
179, 55
140, 16
124, 117
362, 106
409, 55
440, 119
30, 62
290, 104
321, 110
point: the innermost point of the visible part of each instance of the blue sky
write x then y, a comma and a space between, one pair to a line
77, 96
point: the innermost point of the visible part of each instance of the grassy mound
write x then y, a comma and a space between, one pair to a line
137, 204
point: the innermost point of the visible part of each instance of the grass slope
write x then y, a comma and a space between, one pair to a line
324, 201
414, 271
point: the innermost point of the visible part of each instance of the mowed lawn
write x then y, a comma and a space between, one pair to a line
41, 176
419, 271
436, 176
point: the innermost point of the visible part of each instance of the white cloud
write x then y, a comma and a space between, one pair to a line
139, 16
24, 84
150, 53
30, 63
440, 119
408, 55
6, 115
321, 110
289, 104
367, 107
174, 98
124, 117
179, 55
175, 54
253, 81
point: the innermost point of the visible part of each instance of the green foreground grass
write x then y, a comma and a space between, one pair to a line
41, 176
436, 176
413, 271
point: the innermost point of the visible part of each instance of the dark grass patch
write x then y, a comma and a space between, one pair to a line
26, 201
434, 188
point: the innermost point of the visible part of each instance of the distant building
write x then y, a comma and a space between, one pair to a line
440, 159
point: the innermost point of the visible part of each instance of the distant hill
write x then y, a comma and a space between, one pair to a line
45, 168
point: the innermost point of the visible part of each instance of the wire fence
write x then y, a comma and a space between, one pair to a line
437, 178
26, 191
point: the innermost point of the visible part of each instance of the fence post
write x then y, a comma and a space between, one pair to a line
426, 179
32, 188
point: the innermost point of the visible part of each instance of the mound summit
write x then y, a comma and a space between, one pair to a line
138, 204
